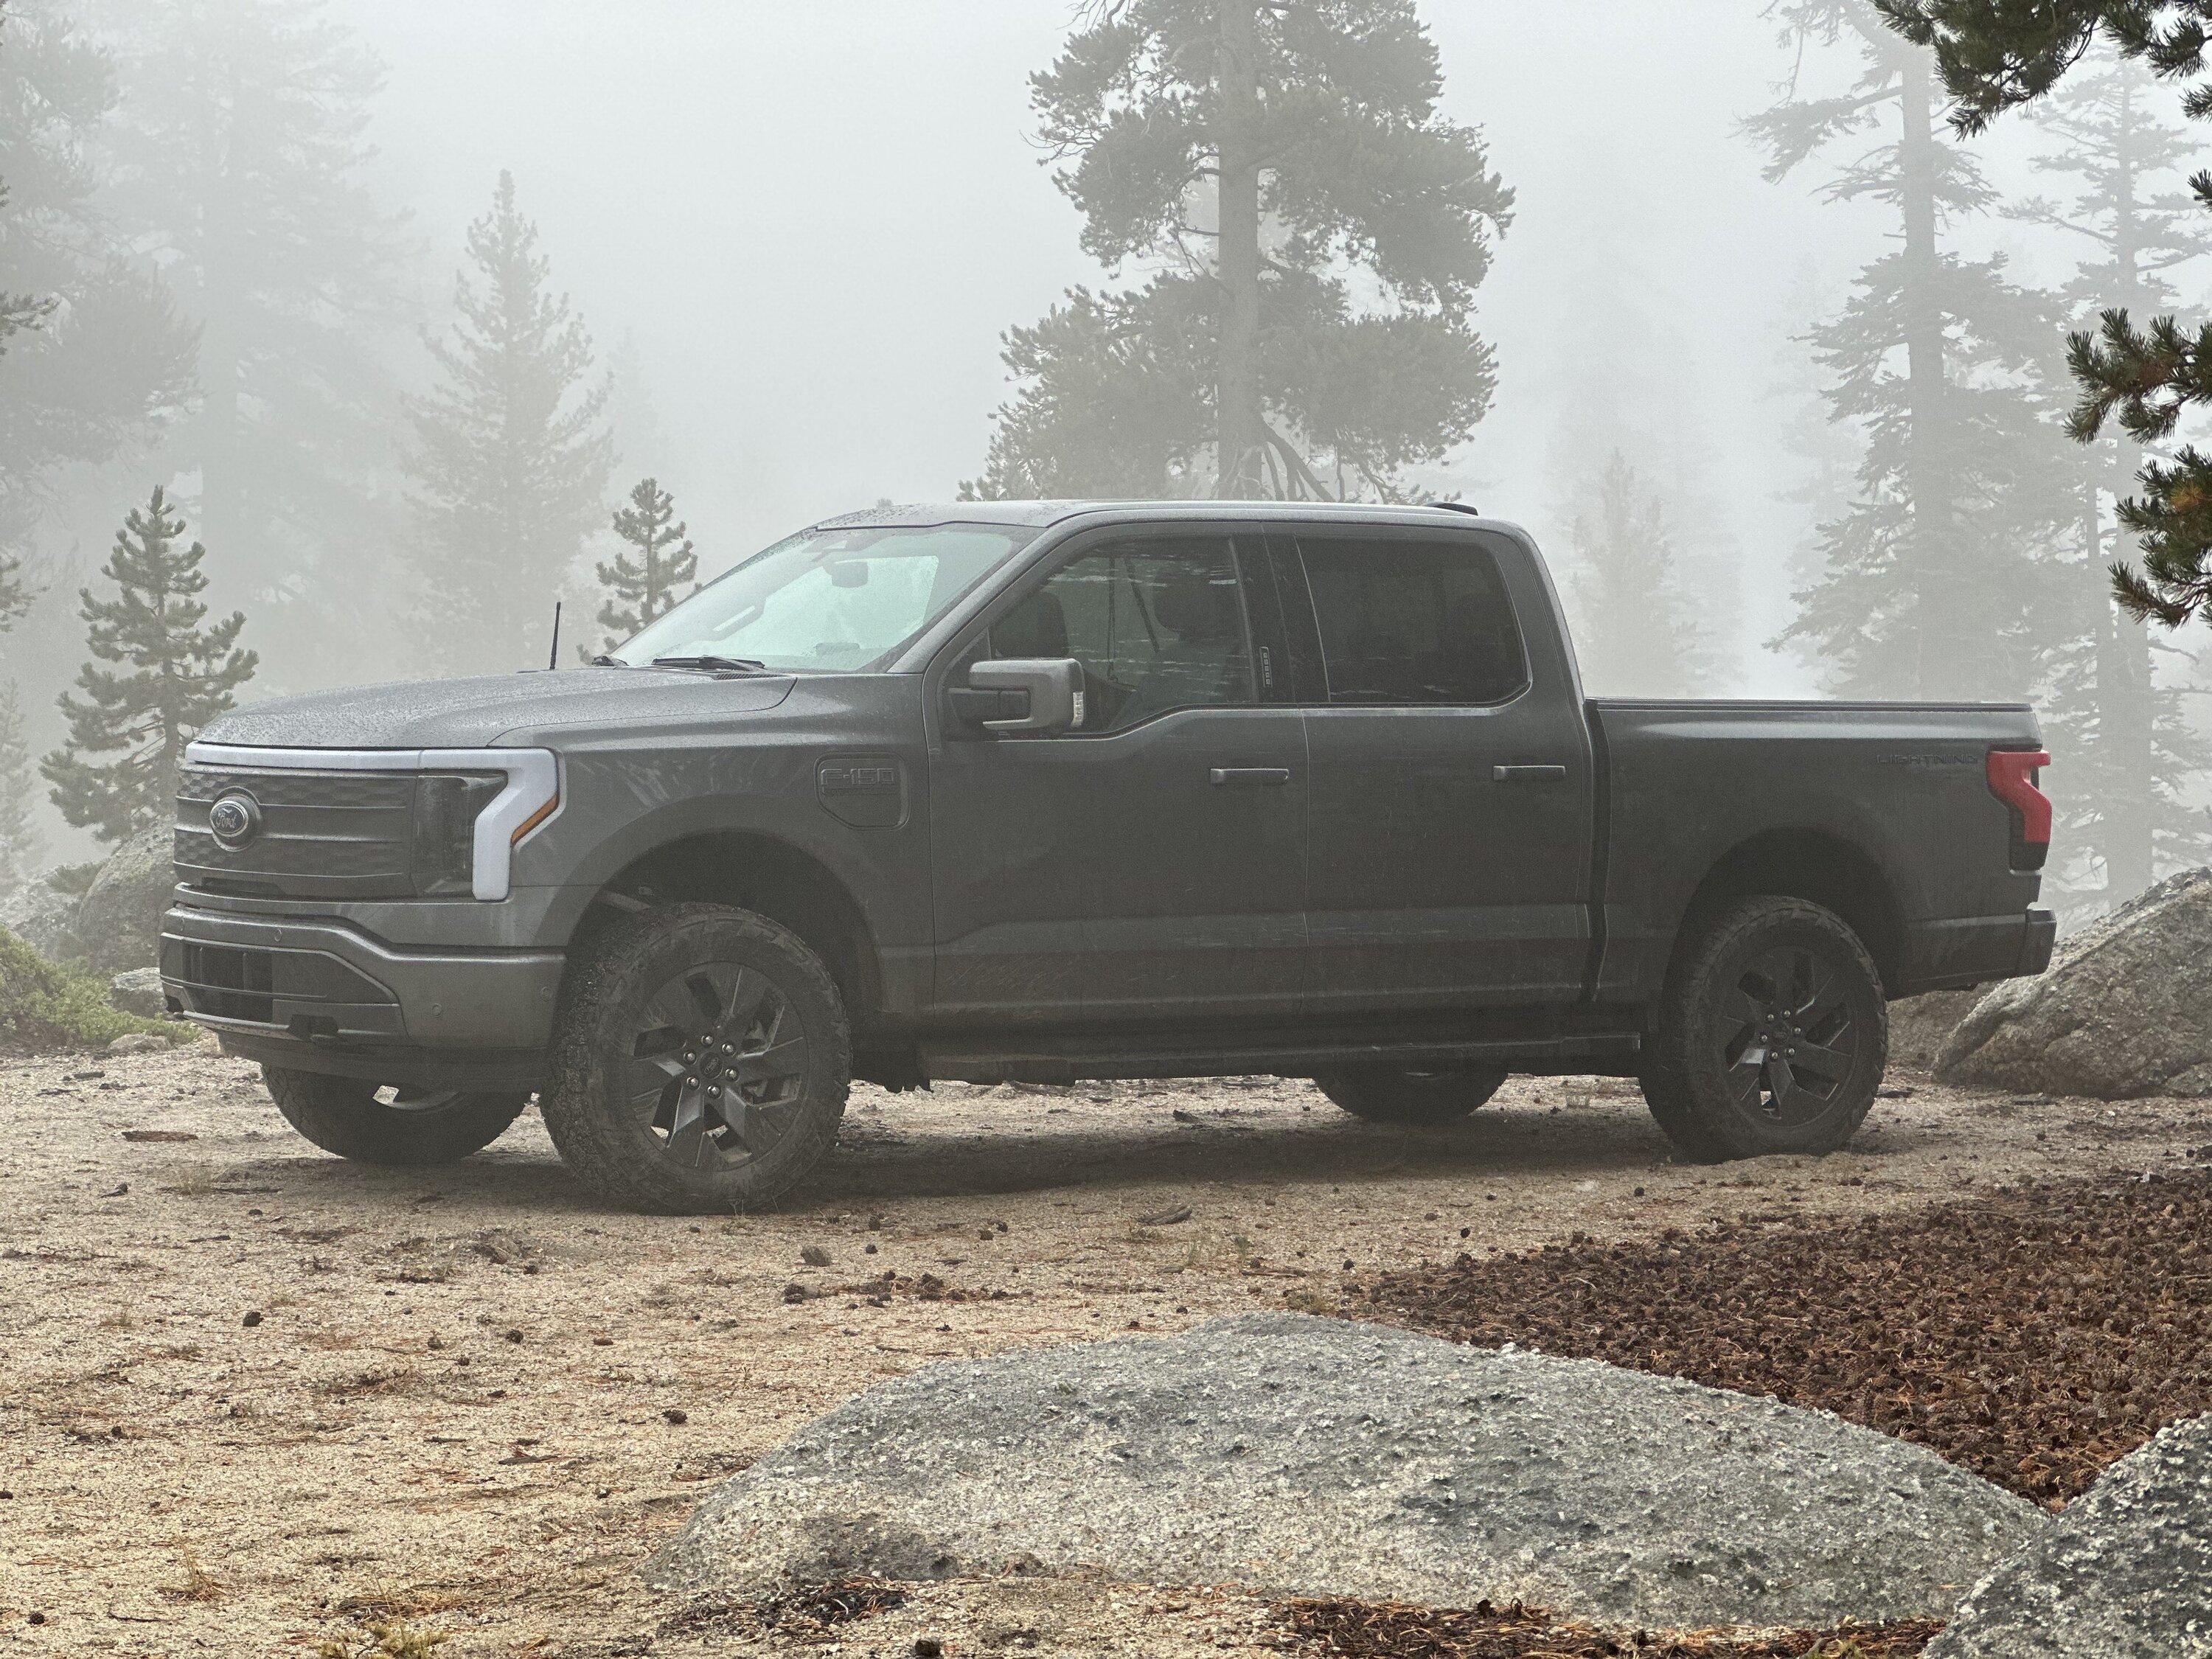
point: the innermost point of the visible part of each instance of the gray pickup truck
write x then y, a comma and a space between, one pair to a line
1055, 790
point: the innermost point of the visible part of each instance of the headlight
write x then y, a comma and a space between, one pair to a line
468, 823
446, 808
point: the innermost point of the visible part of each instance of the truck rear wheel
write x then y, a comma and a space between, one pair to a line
1771, 1034
700, 1063
1391, 1094
407, 1128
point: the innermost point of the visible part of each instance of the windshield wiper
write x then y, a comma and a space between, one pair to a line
730, 665
603, 661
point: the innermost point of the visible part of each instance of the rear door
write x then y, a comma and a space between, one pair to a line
1452, 773
1151, 864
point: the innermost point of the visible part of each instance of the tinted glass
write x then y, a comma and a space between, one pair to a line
1157, 625
1405, 622
831, 600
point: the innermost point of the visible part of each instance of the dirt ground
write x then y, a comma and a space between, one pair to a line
254, 1398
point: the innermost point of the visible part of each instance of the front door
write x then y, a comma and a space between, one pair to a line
1152, 863
1451, 780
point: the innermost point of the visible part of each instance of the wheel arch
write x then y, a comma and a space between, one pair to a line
1817, 865
756, 870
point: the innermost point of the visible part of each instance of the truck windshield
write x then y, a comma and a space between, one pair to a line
830, 601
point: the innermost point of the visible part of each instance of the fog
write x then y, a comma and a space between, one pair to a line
801, 231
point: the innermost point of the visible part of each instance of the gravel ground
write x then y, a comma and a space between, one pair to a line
1319, 1457
473, 1401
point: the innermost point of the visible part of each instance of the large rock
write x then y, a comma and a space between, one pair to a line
1320, 1457
43, 919
1919, 1026
2125, 1572
2124, 1010
119, 921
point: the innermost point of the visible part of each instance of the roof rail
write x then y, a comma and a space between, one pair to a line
1467, 507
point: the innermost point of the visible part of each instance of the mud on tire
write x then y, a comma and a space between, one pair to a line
1771, 1035
411, 1130
701, 1057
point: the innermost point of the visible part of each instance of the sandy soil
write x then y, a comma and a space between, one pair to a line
253, 1397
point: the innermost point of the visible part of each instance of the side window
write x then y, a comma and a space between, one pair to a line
1411, 622
1157, 625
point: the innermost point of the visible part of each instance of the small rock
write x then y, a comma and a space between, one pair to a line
814, 1256
252, 1319
138, 1043
794, 1294
676, 1415
159, 1134
1167, 1217
139, 992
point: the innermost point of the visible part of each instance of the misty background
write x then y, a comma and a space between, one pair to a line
797, 234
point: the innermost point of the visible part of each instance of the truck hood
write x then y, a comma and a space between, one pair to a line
478, 713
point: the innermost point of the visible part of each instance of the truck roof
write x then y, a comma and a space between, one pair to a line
1045, 514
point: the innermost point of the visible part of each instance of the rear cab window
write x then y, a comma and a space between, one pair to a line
1412, 621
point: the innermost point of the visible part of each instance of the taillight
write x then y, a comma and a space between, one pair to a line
2012, 780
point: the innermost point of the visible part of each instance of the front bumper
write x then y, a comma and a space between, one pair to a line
319, 995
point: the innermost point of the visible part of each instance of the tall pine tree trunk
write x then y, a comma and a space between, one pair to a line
1938, 646
2127, 708
1240, 434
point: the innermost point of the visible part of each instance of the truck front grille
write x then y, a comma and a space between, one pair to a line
314, 834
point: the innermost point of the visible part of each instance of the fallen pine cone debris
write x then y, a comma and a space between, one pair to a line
1367, 1630
2033, 1336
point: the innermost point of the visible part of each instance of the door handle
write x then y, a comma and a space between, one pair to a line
1249, 777
1527, 774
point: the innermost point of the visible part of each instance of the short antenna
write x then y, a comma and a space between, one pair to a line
553, 657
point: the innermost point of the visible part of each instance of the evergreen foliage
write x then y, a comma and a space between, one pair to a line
93, 358
19, 838
243, 158
642, 584
46, 1005
176, 676
2129, 748
1934, 581
511, 454
1315, 230
1997, 54
1636, 632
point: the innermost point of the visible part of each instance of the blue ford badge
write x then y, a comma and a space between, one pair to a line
234, 819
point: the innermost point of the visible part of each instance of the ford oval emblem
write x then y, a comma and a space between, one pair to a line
234, 819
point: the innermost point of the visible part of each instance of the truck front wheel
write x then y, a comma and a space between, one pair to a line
701, 1062
407, 1128
1391, 1094
1770, 1036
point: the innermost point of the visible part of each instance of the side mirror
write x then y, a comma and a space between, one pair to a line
1023, 695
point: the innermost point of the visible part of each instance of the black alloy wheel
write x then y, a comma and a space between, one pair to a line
702, 1057
1795, 1039
1771, 1035
718, 1061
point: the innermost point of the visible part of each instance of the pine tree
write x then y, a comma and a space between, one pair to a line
98, 359
1933, 582
2129, 745
244, 159
1636, 632
177, 677
1320, 230
642, 584
511, 454
1997, 54
19, 838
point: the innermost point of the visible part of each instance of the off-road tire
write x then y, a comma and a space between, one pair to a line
591, 1110
1712, 1092
342, 1114
1391, 1094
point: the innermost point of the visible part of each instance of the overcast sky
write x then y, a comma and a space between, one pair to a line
816, 217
